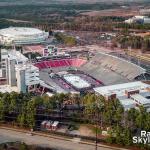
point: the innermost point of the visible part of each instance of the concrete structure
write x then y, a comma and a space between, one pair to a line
21, 81
19, 72
141, 100
138, 19
129, 94
17, 56
28, 76
146, 20
3, 67
11, 72
8, 88
128, 103
111, 69
9, 59
22, 36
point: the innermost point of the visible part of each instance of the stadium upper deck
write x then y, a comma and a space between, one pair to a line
111, 69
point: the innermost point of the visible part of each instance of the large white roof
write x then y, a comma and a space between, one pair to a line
13, 54
127, 103
27, 66
8, 88
140, 99
120, 88
19, 31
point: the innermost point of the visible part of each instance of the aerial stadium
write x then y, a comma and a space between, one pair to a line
79, 74
103, 74
22, 36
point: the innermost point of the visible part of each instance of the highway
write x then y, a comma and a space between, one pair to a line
74, 144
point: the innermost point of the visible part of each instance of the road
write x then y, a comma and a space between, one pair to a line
9, 135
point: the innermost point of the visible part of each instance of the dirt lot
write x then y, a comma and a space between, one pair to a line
85, 130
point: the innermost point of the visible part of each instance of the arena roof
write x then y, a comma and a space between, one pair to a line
19, 31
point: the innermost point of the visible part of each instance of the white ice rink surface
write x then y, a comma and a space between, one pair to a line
76, 81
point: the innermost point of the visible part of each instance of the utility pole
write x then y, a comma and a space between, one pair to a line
96, 129
99, 106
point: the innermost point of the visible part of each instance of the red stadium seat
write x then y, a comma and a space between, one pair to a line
60, 63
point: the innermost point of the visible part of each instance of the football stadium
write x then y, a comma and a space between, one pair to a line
80, 75
21, 35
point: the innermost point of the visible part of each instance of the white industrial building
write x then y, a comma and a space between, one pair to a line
19, 72
27, 77
3, 67
22, 36
130, 94
138, 19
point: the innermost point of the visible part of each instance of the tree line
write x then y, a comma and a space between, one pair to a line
23, 109
65, 39
135, 42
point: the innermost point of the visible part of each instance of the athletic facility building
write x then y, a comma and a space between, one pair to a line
130, 95
73, 74
18, 73
77, 74
22, 36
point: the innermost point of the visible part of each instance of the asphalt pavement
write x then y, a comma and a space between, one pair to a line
60, 144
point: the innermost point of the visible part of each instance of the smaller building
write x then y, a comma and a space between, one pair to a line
130, 95
17, 56
29, 74
128, 103
138, 19
34, 49
141, 100
3, 67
